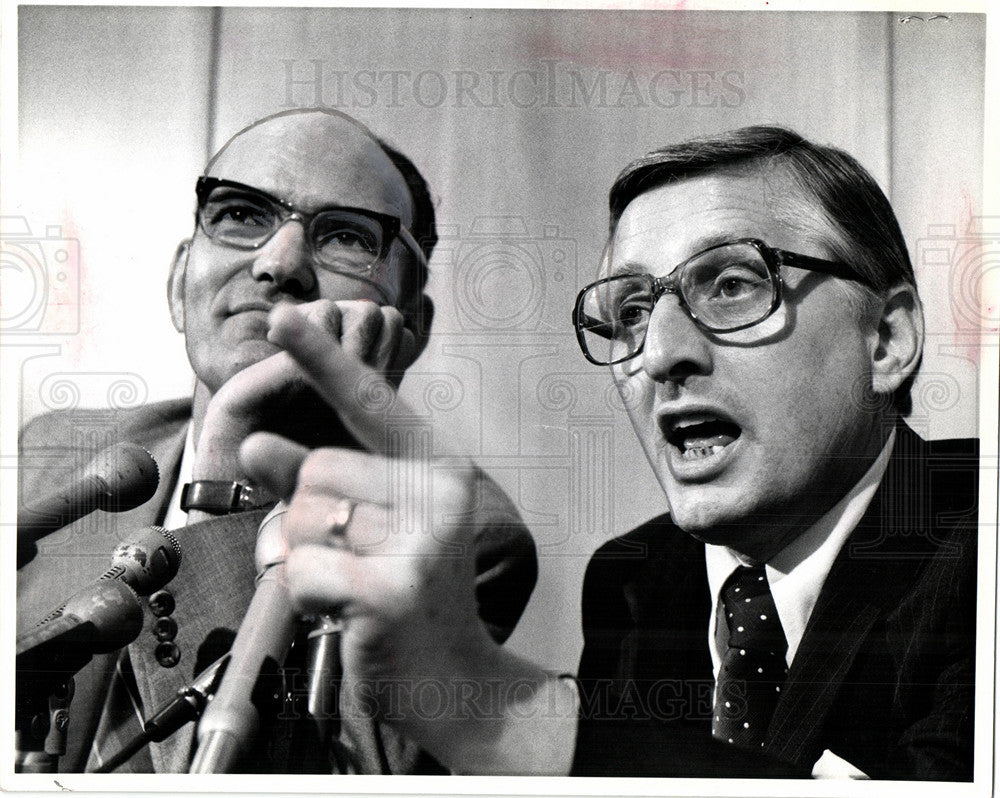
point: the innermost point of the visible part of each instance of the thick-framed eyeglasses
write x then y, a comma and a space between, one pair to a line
349, 240
724, 288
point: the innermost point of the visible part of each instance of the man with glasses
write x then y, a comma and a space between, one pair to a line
304, 208
807, 606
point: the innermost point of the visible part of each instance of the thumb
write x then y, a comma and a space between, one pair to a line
273, 461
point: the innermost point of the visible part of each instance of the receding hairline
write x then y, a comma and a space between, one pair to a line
330, 112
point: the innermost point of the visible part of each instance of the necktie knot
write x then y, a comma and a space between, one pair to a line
750, 612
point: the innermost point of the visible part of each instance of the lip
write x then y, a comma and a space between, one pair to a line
250, 307
701, 469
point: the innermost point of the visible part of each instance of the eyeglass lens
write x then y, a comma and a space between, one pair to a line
341, 239
724, 288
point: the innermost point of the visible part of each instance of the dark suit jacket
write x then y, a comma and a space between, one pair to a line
884, 674
216, 578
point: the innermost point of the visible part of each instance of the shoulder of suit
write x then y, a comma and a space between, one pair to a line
653, 535
933, 484
646, 552
51, 446
60, 426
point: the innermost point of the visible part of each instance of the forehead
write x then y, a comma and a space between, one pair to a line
316, 160
671, 222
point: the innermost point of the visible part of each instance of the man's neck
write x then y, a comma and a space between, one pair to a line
786, 524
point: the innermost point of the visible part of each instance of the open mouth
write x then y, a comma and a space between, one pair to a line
697, 437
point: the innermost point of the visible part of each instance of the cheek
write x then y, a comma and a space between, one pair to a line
811, 389
636, 390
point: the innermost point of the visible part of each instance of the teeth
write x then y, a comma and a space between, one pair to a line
691, 421
697, 452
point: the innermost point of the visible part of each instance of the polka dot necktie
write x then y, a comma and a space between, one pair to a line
753, 667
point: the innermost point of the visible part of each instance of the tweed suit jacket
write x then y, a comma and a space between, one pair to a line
883, 676
214, 584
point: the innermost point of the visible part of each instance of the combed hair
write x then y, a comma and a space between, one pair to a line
871, 242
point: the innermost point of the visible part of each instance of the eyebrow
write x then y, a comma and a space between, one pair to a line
628, 269
225, 192
706, 241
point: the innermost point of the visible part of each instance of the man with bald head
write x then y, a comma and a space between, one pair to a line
305, 208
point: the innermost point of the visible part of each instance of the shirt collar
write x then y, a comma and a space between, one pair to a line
796, 573
175, 517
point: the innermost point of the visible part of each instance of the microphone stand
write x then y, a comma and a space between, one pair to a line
187, 705
40, 726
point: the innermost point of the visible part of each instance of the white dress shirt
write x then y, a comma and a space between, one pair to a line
796, 574
175, 517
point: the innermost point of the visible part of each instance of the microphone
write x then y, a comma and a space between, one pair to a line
98, 619
103, 616
120, 478
324, 671
188, 702
230, 720
146, 561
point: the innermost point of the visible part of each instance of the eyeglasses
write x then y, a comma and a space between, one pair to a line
349, 240
724, 288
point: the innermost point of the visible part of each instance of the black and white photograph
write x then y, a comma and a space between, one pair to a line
635, 427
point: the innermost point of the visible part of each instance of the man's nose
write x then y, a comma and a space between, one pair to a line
286, 260
675, 348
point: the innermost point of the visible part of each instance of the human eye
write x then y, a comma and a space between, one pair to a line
726, 275
622, 304
347, 239
737, 281
633, 308
237, 214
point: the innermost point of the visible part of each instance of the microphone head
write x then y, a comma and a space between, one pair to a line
147, 560
128, 474
114, 610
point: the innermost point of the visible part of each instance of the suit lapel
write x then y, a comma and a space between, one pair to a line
870, 574
211, 591
847, 608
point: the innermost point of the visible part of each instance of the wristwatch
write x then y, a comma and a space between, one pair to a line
220, 498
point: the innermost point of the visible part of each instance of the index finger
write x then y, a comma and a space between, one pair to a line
344, 382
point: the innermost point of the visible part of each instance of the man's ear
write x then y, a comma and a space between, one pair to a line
899, 340
175, 284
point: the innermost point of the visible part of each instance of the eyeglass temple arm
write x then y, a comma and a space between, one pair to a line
411, 243
605, 329
835, 268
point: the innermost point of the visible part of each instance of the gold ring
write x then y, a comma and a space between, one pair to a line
337, 520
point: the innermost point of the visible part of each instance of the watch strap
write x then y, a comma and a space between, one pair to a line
220, 498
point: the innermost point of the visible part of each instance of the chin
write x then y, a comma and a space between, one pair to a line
713, 513
248, 353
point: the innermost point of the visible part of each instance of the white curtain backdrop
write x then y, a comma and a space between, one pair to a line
520, 120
